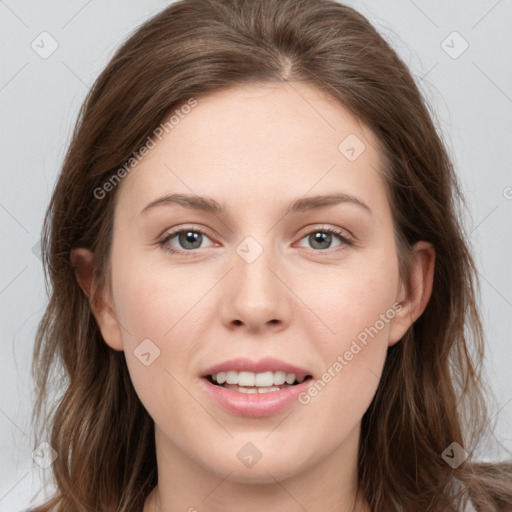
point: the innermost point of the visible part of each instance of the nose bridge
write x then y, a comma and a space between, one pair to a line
254, 257
257, 295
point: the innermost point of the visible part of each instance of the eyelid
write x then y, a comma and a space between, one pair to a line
172, 232
185, 227
342, 232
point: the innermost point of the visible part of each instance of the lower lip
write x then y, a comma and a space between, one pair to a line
254, 404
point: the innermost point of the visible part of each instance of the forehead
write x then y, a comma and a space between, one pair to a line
257, 141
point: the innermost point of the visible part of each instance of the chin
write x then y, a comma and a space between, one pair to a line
265, 468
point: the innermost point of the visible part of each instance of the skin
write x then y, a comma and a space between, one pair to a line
256, 148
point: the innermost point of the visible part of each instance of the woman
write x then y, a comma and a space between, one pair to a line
311, 352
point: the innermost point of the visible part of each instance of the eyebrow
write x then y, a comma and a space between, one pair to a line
209, 205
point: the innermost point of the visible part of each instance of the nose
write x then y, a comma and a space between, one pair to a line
256, 297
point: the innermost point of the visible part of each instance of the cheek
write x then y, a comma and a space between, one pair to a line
358, 307
156, 301
159, 342
352, 299
158, 311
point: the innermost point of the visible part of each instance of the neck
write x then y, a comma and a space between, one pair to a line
329, 485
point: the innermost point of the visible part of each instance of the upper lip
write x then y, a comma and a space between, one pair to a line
267, 364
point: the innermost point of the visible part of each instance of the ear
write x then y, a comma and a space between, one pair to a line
413, 295
100, 300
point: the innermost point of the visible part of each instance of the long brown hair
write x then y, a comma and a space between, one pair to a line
430, 394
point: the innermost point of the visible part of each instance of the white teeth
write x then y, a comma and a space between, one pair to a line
253, 390
232, 377
268, 390
264, 379
247, 390
260, 380
279, 378
246, 379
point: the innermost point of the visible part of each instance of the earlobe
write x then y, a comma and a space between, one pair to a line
100, 301
414, 294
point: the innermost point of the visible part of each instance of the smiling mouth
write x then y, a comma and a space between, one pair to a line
249, 383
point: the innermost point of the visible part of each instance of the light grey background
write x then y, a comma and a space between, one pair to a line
39, 99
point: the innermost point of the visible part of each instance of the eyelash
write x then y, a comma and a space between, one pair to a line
165, 246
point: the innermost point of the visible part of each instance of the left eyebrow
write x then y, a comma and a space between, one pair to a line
317, 202
209, 205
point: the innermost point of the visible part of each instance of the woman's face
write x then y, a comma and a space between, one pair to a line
257, 278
